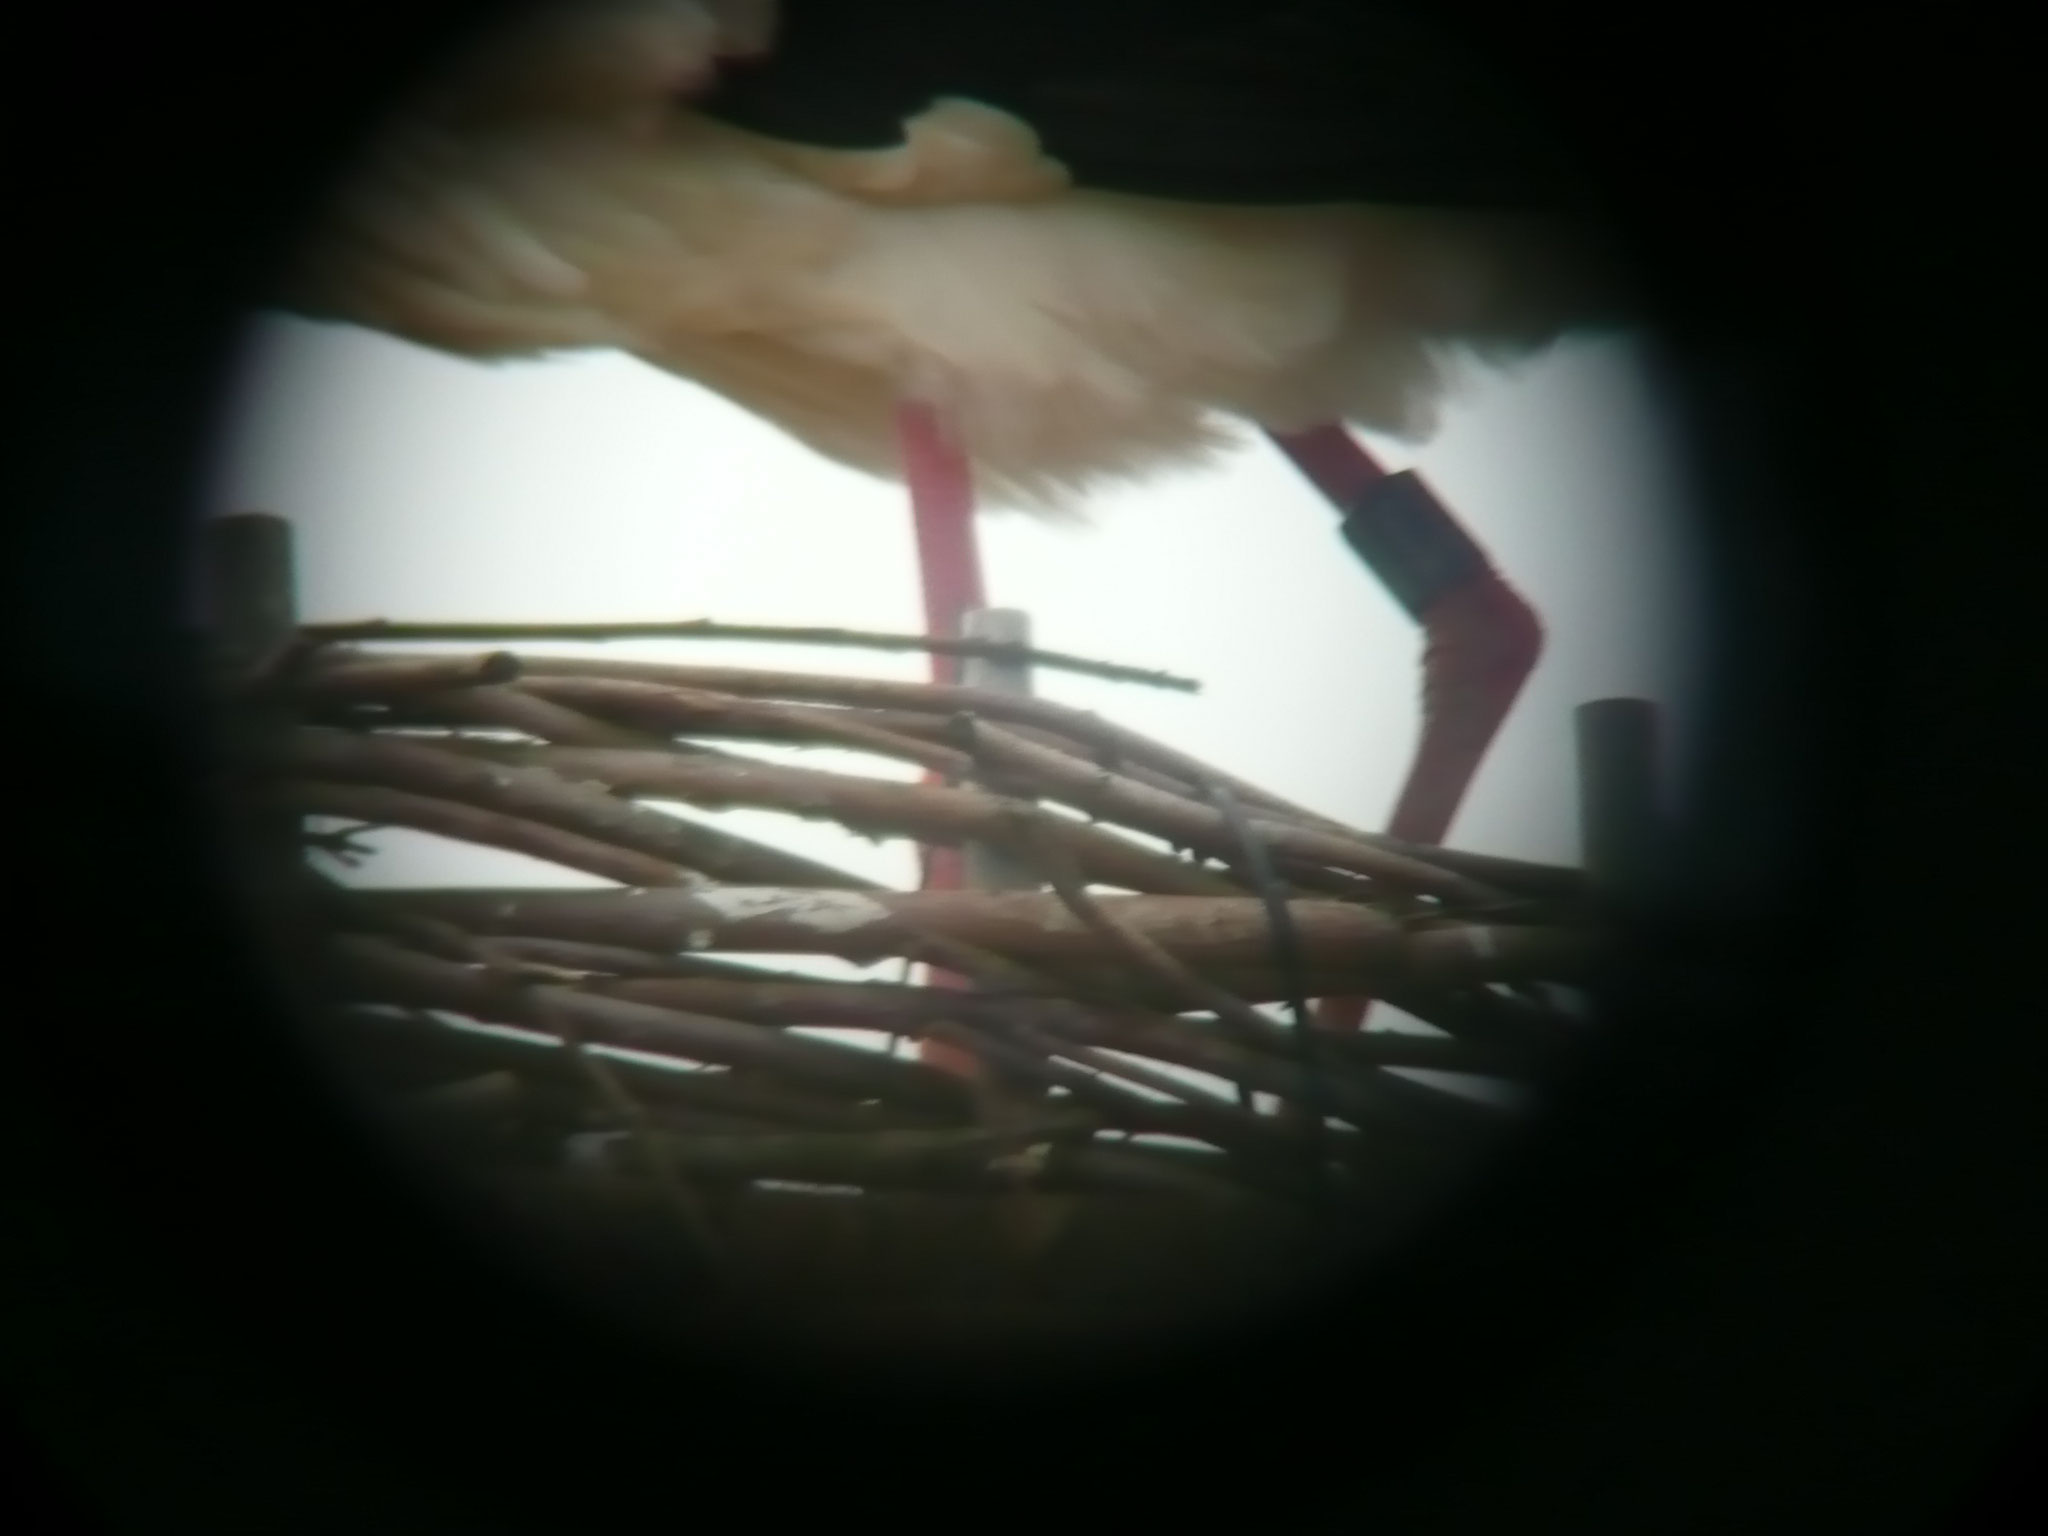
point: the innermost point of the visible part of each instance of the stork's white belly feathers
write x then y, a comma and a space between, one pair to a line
1068, 335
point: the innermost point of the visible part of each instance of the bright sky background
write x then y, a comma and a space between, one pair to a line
587, 488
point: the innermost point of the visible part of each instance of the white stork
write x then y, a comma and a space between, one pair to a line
848, 223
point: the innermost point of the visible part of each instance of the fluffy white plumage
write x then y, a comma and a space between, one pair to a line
550, 195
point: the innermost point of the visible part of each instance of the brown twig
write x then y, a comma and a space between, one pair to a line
1059, 869
648, 1139
1220, 936
928, 813
374, 970
514, 708
785, 1000
382, 677
894, 707
705, 629
718, 1039
1104, 740
1024, 767
541, 795
616, 960
1058, 1026
975, 1158
1190, 824
378, 805
701, 711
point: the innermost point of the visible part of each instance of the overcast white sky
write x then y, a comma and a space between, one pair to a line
594, 487
423, 487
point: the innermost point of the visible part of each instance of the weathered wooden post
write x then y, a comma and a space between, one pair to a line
1618, 818
250, 607
991, 869
250, 599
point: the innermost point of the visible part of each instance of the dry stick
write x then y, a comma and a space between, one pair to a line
705, 629
503, 959
783, 997
1190, 1095
1012, 1121
541, 795
1093, 1076
1026, 769
1083, 742
1066, 763
1065, 879
354, 680
769, 998
929, 813
419, 1047
1059, 870
700, 710
550, 1015
1144, 761
662, 714
971, 1158
617, 960
273, 673
866, 926
1028, 1061
1111, 981
378, 806
519, 710
733, 985
868, 806
377, 971
1141, 1033
1021, 709
1063, 1026
1551, 882
1371, 1101
1269, 1067
1344, 945
1190, 824
355, 910
666, 709
1287, 960
647, 1140
786, 997
1361, 1101
1382, 1096
1398, 1048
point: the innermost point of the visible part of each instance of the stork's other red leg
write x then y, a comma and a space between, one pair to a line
1481, 639
949, 567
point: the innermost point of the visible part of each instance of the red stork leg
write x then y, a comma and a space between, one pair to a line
1481, 638
942, 508
949, 566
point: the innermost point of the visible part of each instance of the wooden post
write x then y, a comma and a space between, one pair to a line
250, 598
1027, 1219
991, 869
1618, 820
982, 866
250, 606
